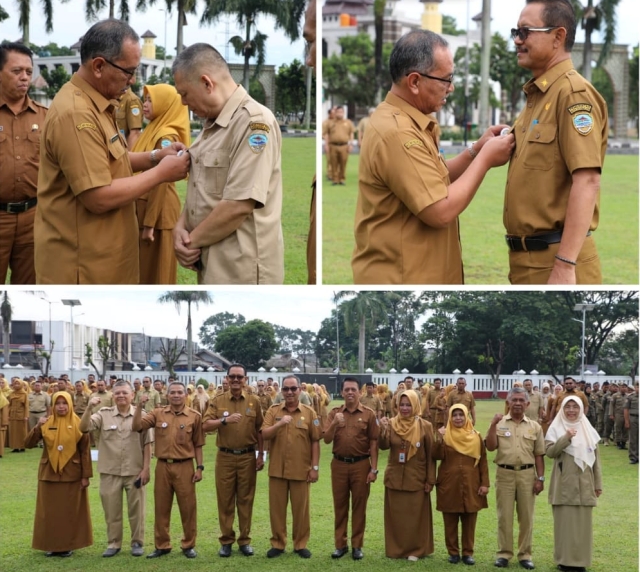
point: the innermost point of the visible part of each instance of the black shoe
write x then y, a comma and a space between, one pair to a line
225, 551
159, 552
333, 184
454, 558
468, 560
49, 554
246, 549
339, 552
189, 552
527, 564
501, 563
63, 554
274, 552
633, 462
109, 552
303, 553
356, 553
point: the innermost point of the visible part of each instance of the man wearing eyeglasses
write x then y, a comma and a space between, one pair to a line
86, 229
552, 193
406, 224
237, 417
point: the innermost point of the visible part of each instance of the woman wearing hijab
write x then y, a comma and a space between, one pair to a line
158, 210
18, 415
4, 420
62, 522
463, 481
576, 484
408, 480
201, 400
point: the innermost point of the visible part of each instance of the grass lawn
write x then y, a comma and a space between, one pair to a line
615, 524
484, 253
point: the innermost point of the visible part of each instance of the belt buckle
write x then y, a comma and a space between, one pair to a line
350, 460
237, 451
19, 208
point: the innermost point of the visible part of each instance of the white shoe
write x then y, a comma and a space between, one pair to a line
412, 558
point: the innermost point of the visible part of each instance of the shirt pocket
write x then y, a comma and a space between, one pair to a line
541, 148
216, 169
184, 435
34, 146
116, 149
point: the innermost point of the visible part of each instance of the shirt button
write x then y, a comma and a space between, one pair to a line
193, 212
17, 156
215, 162
537, 135
529, 104
197, 161
17, 136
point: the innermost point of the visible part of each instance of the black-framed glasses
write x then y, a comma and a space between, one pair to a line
130, 73
235, 377
447, 80
289, 389
524, 31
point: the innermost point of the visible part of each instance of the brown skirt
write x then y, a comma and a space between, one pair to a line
17, 434
158, 262
408, 524
62, 521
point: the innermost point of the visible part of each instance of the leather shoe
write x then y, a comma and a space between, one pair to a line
189, 552
501, 563
274, 552
454, 558
137, 549
339, 552
65, 554
225, 551
246, 549
356, 553
159, 552
109, 552
468, 560
527, 564
303, 553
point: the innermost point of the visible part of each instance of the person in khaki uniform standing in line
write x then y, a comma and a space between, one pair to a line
86, 229
631, 423
230, 228
237, 417
124, 457
535, 410
432, 396
461, 395
551, 204
21, 122
331, 116
363, 124
519, 475
178, 441
370, 399
353, 429
340, 134
406, 223
129, 117
153, 397
81, 398
294, 432
39, 404
570, 389
616, 414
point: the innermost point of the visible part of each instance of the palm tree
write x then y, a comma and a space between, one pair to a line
182, 7
602, 18
364, 310
177, 297
92, 7
24, 9
287, 13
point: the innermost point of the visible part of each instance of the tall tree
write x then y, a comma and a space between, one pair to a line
182, 7
251, 344
304, 345
93, 7
24, 10
179, 297
215, 324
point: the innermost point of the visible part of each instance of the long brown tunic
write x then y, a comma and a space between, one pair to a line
18, 414
62, 521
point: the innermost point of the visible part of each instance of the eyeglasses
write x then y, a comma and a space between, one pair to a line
447, 80
523, 32
289, 389
130, 73
235, 377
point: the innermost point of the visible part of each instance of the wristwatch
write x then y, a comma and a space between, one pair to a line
224, 421
541, 479
315, 468
200, 467
154, 157
374, 471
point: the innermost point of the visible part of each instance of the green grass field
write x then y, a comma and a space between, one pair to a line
615, 524
484, 253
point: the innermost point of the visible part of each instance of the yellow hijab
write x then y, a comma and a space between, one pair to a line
60, 434
408, 428
3, 400
171, 118
465, 440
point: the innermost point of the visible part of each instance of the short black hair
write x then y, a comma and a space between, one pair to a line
244, 369
7, 47
414, 52
559, 13
105, 39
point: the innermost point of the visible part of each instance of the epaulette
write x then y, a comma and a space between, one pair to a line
578, 83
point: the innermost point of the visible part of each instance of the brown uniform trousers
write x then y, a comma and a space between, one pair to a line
339, 133
280, 492
350, 479
468, 522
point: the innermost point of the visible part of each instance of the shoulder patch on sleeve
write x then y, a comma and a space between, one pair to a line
257, 142
316, 422
82, 126
413, 143
583, 123
165, 143
586, 107
257, 126
135, 111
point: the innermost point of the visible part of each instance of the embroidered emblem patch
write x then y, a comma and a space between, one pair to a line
165, 143
316, 422
257, 142
586, 107
583, 122
413, 143
82, 126
255, 126
135, 111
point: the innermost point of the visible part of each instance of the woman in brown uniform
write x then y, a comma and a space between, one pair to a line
18, 416
62, 522
408, 480
158, 211
4, 420
463, 481
201, 400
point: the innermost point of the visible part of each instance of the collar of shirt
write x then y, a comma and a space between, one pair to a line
230, 107
183, 411
358, 408
424, 122
99, 100
547, 79
283, 408
29, 104
243, 395
127, 414
508, 417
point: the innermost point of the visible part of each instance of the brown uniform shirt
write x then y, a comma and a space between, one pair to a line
237, 435
237, 157
402, 173
465, 398
38, 402
361, 427
562, 128
80, 403
290, 448
577, 393
265, 402
340, 131
106, 400
518, 443
154, 399
362, 126
535, 404
373, 403
20, 150
82, 150
177, 434
129, 113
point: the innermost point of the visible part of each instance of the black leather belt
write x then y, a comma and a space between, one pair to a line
519, 468
339, 144
21, 207
351, 459
237, 451
534, 242
33, 412
171, 461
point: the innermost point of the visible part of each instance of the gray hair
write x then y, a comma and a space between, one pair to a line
197, 57
122, 383
414, 52
105, 39
518, 391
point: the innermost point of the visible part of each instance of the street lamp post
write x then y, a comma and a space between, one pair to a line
71, 304
584, 308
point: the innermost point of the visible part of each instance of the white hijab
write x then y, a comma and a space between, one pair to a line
583, 446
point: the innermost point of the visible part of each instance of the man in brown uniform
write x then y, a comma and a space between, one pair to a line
237, 417
158, 385
86, 229
370, 399
461, 395
129, 117
353, 429
616, 413
535, 410
178, 440
153, 397
21, 122
80, 399
331, 116
432, 397
406, 224
519, 476
363, 124
340, 133
39, 404
294, 432
309, 33
230, 228
570, 388
264, 397
551, 203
